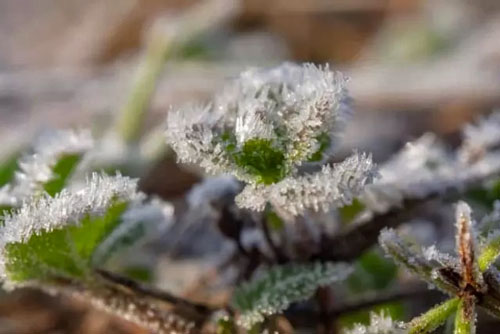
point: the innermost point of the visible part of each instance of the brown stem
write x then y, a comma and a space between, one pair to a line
149, 292
324, 296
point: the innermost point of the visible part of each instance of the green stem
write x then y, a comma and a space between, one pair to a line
433, 318
465, 318
131, 117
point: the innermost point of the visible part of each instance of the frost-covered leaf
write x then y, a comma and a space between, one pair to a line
480, 137
54, 158
333, 186
263, 127
264, 124
426, 263
50, 237
276, 289
379, 324
426, 167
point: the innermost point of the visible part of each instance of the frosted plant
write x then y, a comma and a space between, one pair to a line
379, 324
265, 125
55, 156
56, 235
281, 286
469, 278
425, 167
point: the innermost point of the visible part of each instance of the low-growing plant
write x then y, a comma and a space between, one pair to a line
301, 229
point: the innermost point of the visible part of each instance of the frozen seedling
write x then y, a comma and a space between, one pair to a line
470, 279
264, 126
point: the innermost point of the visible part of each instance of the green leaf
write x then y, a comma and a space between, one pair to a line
259, 158
65, 252
433, 318
225, 325
8, 168
465, 317
349, 212
281, 286
274, 222
62, 170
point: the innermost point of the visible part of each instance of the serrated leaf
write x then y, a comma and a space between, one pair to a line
281, 286
65, 252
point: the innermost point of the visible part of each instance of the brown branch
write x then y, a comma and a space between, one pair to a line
350, 244
150, 292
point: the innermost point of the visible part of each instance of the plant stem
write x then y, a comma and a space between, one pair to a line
166, 41
153, 293
131, 117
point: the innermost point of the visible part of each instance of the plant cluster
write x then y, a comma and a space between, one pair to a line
302, 230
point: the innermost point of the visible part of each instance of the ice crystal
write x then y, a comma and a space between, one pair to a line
333, 186
379, 324
265, 125
281, 286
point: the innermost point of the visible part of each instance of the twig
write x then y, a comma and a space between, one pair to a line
153, 293
351, 244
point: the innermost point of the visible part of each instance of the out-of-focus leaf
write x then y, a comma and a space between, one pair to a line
62, 170
64, 252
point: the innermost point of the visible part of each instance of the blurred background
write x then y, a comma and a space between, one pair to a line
414, 66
